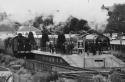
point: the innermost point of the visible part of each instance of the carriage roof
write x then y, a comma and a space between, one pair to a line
117, 42
91, 36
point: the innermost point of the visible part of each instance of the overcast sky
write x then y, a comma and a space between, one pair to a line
23, 10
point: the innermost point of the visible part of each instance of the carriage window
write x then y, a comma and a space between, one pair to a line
43, 58
38, 57
53, 60
49, 59
46, 58
61, 61
58, 60
32, 66
41, 67
38, 69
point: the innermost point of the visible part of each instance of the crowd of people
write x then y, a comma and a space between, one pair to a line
100, 44
61, 45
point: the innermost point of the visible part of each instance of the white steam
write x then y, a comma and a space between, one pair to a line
90, 10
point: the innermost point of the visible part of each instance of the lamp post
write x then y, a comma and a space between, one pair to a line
84, 49
121, 41
84, 40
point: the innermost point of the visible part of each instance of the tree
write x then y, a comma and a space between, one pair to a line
44, 39
16, 25
48, 20
40, 20
60, 42
74, 24
116, 21
31, 40
82, 24
3, 16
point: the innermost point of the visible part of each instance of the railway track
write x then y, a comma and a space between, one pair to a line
55, 67
63, 71
66, 67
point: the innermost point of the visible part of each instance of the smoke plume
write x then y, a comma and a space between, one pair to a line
90, 10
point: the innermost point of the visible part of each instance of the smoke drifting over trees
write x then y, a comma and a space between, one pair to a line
72, 24
7, 22
116, 21
75, 25
42, 20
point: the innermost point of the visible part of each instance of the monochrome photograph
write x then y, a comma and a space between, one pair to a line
62, 40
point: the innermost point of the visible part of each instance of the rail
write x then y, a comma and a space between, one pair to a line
117, 62
70, 71
72, 68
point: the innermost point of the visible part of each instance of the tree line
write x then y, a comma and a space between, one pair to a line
116, 20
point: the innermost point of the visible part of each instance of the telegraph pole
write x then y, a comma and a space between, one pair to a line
84, 39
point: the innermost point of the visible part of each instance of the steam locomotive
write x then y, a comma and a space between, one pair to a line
19, 46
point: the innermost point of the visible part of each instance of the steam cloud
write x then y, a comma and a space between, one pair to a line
90, 10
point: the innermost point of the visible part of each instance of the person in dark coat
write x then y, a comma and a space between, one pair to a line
32, 41
93, 48
44, 41
51, 47
21, 41
87, 47
70, 47
60, 42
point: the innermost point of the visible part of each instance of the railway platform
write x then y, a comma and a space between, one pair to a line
103, 61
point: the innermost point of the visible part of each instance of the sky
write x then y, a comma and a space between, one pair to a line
23, 10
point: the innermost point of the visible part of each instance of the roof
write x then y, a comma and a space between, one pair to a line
28, 28
117, 42
4, 69
91, 36
6, 28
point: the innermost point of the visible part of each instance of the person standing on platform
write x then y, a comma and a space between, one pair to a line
44, 40
87, 47
32, 41
51, 46
60, 42
93, 49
